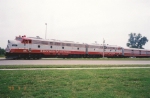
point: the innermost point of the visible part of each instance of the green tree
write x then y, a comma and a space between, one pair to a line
2, 51
136, 41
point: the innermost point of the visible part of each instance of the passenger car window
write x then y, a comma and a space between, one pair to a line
38, 46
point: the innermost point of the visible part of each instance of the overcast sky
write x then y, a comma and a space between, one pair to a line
84, 21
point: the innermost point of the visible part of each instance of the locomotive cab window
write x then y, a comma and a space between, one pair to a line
14, 45
27, 41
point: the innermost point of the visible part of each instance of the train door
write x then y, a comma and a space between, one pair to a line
29, 46
57, 48
132, 53
86, 49
140, 52
146, 53
122, 51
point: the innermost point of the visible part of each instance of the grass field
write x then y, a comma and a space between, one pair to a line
108, 83
2, 56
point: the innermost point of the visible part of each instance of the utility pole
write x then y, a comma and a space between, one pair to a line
103, 47
45, 30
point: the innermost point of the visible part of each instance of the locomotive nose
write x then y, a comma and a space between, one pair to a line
7, 49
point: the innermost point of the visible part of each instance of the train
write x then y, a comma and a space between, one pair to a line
23, 47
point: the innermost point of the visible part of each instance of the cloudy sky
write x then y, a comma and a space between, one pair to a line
84, 21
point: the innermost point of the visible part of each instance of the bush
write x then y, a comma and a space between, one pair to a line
2, 51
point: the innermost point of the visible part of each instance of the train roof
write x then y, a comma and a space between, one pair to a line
53, 40
62, 41
107, 45
136, 49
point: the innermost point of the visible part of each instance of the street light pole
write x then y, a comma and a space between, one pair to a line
45, 30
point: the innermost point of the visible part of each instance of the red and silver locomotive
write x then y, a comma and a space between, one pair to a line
35, 48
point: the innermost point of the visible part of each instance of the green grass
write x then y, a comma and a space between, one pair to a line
2, 56
122, 83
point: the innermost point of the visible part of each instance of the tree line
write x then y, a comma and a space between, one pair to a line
2, 51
